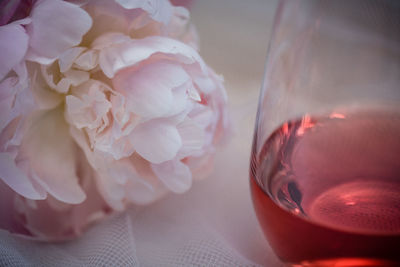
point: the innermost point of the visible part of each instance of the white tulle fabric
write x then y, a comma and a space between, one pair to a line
114, 243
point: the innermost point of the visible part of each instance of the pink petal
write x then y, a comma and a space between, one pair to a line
126, 54
174, 174
15, 97
16, 178
79, 2
202, 115
112, 192
109, 39
156, 140
13, 47
180, 28
149, 88
193, 138
67, 58
87, 60
136, 188
56, 26
7, 95
140, 191
159, 10
72, 77
193, 93
81, 140
44, 96
52, 156
180, 99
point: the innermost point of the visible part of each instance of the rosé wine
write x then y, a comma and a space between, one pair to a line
326, 190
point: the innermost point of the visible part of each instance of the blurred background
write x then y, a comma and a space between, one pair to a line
234, 36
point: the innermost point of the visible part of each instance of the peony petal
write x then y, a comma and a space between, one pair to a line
140, 191
11, 135
202, 115
180, 28
72, 77
110, 39
15, 96
174, 174
16, 178
79, 2
193, 93
87, 60
112, 192
44, 96
7, 96
156, 140
88, 106
76, 112
193, 138
149, 88
181, 99
81, 140
56, 26
13, 47
113, 177
159, 10
126, 54
52, 153
67, 58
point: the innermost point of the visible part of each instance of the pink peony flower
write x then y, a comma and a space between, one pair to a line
109, 104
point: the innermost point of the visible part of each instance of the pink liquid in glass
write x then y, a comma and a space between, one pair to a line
326, 190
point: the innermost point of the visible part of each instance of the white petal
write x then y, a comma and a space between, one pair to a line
156, 140
130, 4
112, 192
114, 58
63, 86
87, 60
81, 139
202, 115
77, 77
13, 47
88, 106
149, 88
109, 39
16, 178
77, 112
7, 96
44, 96
72, 77
193, 93
181, 99
15, 97
79, 2
205, 84
193, 138
140, 191
159, 10
11, 135
174, 174
67, 58
56, 26
52, 155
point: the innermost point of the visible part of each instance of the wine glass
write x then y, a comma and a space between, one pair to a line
325, 166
